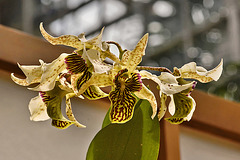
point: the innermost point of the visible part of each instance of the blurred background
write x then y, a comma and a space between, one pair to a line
203, 31
180, 31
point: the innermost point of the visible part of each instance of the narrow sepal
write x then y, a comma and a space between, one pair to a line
69, 112
163, 107
132, 58
145, 93
68, 40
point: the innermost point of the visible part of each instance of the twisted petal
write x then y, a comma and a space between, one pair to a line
169, 84
132, 58
163, 108
50, 73
68, 40
122, 106
33, 74
192, 71
38, 109
69, 112
181, 107
145, 93
52, 100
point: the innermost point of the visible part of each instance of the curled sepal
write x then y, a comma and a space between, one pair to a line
68, 40
122, 106
132, 58
192, 71
33, 74
181, 107
38, 109
69, 112
50, 73
75, 64
52, 100
163, 107
145, 93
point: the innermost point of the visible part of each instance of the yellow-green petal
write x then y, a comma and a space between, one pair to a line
53, 100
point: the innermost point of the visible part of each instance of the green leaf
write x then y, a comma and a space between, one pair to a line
137, 139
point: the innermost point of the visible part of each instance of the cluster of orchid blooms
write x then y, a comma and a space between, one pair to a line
83, 73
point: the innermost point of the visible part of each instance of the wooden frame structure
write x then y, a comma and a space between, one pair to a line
213, 114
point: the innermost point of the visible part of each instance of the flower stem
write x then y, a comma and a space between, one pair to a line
160, 69
119, 48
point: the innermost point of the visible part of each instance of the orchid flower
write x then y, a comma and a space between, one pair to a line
126, 82
181, 105
83, 72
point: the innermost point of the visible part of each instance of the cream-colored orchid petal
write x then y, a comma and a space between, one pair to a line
169, 84
171, 106
145, 93
132, 58
192, 71
97, 62
33, 74
50, 73
147, 75
163, 108
168, 78
68, 40
181, 108
38, 109
189, 116
69, 112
